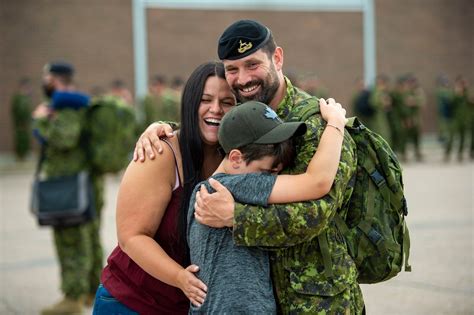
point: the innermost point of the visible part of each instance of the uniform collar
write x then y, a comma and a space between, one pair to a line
287, 102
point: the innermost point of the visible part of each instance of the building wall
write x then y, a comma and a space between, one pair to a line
96, 36
425, 37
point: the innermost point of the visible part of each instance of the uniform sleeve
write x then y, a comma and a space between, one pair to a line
62, 131
290, 224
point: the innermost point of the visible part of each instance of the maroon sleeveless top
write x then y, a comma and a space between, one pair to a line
134, 287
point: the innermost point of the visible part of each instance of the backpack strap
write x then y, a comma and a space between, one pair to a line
304, 113
406, 246
327, 260
41, 159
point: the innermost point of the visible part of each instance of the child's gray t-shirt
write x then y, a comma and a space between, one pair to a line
237, 277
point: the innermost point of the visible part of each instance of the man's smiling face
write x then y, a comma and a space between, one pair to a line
253, 77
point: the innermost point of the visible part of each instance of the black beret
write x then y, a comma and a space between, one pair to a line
241, 39
60, 68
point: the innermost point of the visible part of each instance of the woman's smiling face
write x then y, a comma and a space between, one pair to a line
217, 99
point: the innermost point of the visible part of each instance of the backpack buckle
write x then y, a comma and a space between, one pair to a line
378, 179
374, 236
404, 206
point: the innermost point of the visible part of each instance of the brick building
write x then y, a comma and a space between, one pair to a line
425, 37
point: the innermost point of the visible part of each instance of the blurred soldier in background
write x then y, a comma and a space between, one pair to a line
78, 248
459, 124
21, 108
312, 85
120, 90
397, 115
153, 101
415, 101
380, 102
360, 101
177, 85
444, 99
471, 121
161, 103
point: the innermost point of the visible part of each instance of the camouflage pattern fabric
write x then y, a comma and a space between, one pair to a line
378, 122
458, 126
395, 117
80, 253
293, 231
111, 127
375, 229
414, 102
78, 248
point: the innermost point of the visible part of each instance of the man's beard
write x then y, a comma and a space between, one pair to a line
48, 90
268, 88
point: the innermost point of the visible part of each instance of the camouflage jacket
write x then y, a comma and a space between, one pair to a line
62, 131
21, 110
378, 122
292, 231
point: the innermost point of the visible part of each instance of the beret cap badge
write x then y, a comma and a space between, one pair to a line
241, 39
244, 46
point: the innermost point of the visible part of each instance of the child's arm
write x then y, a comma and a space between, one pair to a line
319, 176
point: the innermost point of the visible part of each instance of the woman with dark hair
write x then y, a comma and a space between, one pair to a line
145, 273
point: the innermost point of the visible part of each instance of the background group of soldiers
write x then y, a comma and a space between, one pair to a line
395, 113
161, 103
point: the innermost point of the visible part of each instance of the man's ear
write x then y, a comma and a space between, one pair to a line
236, 158
278, 58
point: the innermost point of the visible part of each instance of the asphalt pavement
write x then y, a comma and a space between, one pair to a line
440, 198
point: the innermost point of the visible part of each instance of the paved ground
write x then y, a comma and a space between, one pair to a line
441, 206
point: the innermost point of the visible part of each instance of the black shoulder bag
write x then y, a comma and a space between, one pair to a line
62, 201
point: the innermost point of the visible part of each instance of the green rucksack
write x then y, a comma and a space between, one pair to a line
375, 230
110, 130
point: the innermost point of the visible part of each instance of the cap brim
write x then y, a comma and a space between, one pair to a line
283, 132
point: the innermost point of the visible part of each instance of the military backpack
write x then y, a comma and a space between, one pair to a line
375, 229
110, 132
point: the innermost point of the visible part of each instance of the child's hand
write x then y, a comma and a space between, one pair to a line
333, 112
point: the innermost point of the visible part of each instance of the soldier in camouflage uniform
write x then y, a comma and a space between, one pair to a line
415, 100
395, 116
295, 233
444, 98
161, 103
78, 247
21, 118
381, 103
458, 126
120, 90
